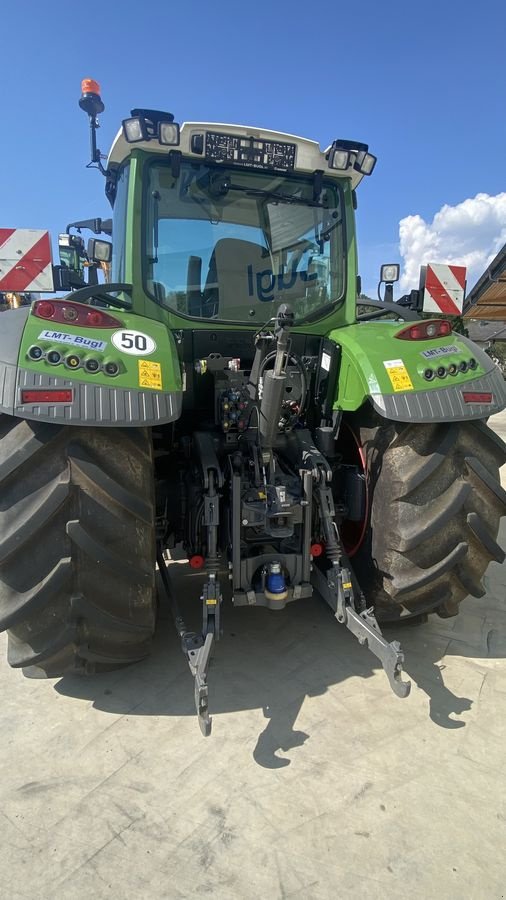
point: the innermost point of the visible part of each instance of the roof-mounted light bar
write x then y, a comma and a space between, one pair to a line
343, 155
151, 124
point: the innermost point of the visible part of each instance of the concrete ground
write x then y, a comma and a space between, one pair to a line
316, 783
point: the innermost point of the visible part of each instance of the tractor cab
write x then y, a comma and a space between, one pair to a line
235, 220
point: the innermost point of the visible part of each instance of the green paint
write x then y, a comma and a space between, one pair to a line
367, 346
128, 377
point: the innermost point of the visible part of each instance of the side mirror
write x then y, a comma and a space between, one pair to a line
71, 250
99, 251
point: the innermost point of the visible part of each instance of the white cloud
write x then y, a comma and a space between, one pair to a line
469, 234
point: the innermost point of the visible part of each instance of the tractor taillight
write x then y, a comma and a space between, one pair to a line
424, 331
76, 313
44, 309
37, 396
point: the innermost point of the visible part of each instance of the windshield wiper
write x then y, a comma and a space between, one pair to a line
274, 195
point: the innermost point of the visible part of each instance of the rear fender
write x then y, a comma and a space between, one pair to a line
390, 372
146, 390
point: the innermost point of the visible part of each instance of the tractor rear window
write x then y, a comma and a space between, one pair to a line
119, 226
231, 245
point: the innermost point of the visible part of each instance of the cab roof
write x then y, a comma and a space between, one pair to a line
309, 157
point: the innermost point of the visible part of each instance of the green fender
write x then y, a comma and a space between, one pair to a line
379, 366
126, 374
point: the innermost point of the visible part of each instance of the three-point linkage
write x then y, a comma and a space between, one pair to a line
279, 488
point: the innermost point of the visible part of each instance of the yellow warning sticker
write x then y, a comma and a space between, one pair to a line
398, 374
150, 374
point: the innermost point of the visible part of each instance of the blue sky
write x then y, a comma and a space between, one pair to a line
423, 84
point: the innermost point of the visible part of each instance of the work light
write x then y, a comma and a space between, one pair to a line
135, 130
339, 159
365, 163
168, 133
99, 251
390, 272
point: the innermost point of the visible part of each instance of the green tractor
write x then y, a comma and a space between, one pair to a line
225, 392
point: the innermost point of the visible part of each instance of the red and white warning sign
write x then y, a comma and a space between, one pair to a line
444, 289
25, 260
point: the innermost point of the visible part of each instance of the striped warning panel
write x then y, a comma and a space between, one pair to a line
25, 260
444, 289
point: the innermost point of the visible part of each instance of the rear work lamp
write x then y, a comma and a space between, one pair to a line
343, 154
135, 130
339, 159
365, 163
151, 124
168, 133
390, 272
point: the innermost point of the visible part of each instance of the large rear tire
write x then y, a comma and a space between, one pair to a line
77, 546
435, 504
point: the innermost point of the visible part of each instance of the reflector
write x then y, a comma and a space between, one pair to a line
474, 397
41, 396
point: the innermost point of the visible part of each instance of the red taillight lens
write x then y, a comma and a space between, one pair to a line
46, 396
94, 317
424, 331
473, 397
74, 313
445, 328
44, 309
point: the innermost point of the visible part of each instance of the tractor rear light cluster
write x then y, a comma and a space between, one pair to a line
424, 331
75, 313
452, 369
44, 396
